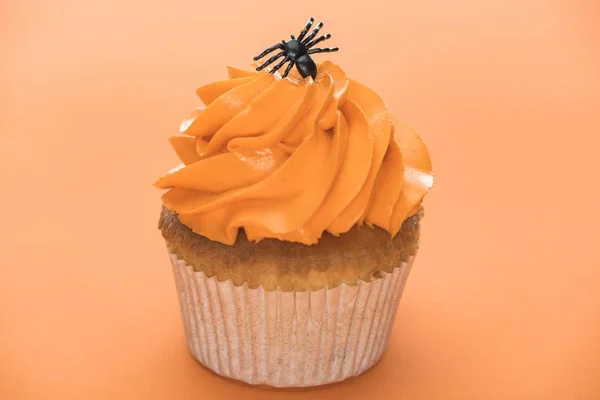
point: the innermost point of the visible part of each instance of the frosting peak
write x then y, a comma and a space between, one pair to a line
292, 158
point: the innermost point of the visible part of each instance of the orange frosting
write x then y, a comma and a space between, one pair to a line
292, 158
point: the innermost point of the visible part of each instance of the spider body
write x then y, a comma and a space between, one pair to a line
306, 66
297, 52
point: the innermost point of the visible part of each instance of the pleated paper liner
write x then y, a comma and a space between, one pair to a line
288, 339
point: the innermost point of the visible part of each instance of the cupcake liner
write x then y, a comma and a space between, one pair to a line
287, 339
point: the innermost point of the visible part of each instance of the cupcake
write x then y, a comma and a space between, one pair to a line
293, 221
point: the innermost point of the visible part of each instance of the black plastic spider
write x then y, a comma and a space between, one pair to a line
297, 52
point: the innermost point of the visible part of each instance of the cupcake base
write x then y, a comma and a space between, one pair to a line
288, 338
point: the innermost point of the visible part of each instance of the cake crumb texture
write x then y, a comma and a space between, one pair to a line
359, 254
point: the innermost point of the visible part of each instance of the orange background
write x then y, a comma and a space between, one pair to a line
503, 302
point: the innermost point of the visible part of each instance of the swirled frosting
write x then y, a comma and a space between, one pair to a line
293, 158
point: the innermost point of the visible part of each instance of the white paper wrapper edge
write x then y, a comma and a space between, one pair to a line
287, 339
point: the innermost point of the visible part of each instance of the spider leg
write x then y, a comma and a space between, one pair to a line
306, 28
326, 50
269, 50
270, 60
289, 67
319, 40
313, 33
275, 68
293, 37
